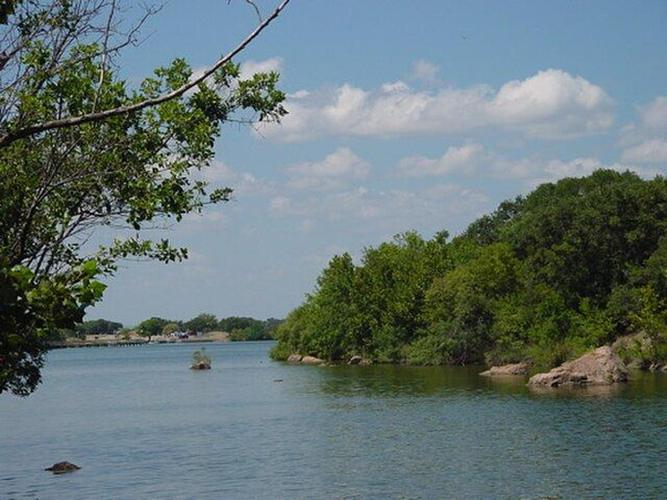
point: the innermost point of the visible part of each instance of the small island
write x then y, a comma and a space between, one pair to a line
200, 360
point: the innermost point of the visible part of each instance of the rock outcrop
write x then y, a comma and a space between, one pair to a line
311, 360
62, 468
513, 369
599, 367
294, 358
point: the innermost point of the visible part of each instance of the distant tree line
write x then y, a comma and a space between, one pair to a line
239, 328
571, 266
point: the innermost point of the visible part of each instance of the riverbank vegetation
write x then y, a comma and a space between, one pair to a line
573, 265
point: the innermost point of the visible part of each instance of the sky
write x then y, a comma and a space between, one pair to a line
403, 115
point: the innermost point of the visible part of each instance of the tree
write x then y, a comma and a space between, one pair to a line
204, 322
98, 326
152, 326
81, 149
170, 328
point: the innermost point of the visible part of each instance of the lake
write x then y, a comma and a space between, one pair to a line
142, 425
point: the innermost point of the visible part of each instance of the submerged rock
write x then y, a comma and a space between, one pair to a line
311, 360
599, 367
294, 358
504, 370
62, 468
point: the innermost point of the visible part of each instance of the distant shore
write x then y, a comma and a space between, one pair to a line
116, 341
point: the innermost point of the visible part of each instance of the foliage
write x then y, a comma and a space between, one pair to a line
170, 328
98, 326
152, 326
573, 265
204, 322
30, 310
254, 329
371, 309
127, 173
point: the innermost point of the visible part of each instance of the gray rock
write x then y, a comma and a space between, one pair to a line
63, 468
599, 367
512, 369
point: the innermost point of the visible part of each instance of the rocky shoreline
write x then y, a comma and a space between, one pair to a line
299, 359
601, 366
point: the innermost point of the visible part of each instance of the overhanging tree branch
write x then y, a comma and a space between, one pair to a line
73, 121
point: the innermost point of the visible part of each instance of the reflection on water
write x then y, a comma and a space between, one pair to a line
142, 425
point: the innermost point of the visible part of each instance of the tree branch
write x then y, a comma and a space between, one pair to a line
73, 121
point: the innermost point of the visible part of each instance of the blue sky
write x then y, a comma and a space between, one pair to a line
403, 115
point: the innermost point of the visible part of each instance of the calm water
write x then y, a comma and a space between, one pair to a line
144, 426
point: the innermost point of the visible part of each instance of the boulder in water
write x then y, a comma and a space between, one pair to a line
599, 367
311, 360
62, 468
512, 369
294, 358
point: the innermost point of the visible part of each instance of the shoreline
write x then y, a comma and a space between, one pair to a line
123, 343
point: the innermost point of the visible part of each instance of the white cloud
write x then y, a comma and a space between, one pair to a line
331, 172
387, 211
654, 115
243, 183
650, 151
644, 141
218, 171
474, 158
250, 67
535, 171
425, 71
550, 104
464, 159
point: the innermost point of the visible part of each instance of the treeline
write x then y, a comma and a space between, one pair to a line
573, 265
239, 328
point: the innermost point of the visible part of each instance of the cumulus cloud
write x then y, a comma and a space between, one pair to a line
218, 173
650, 151
644, 141
549, 104
393, 210
464, 159
333, 171
474, 158
250, 67
654, 115
425, 71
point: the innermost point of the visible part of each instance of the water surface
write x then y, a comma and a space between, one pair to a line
142, 425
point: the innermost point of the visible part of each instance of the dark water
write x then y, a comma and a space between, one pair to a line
144, 426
